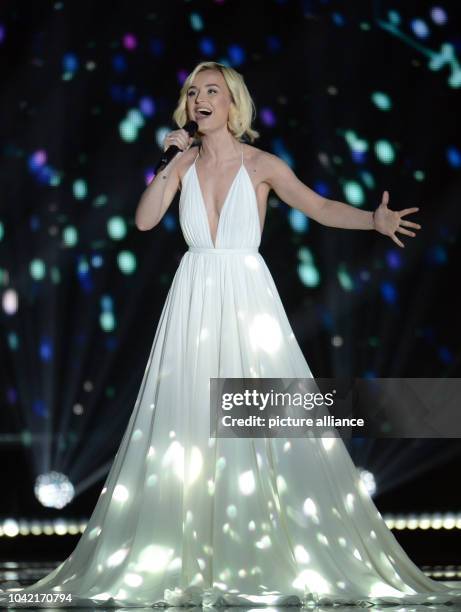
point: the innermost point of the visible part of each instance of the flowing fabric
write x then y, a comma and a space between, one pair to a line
185, 519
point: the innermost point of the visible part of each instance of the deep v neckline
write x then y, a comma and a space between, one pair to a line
202, 199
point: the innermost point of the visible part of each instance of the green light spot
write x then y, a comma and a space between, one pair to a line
353, 192
13, 341
385, 151
126, 262
136, 117
70, 236
37, 269
107, 321
381, 100
128, 131
345, 279
419, 175
368, 179
83, 266
355, 143
55, 275
308, 274
80, 189
116, 228
2, 230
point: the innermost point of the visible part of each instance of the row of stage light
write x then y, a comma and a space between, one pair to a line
10, 527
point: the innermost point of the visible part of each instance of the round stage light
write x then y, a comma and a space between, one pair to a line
53, 490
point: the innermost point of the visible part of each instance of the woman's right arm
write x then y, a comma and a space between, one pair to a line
160, 192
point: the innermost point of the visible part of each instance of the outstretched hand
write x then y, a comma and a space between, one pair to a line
388, 221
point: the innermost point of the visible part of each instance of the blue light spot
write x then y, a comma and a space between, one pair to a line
298, 220
420, 28
70, 62
207, 46
445, 354
321, 188
107, 302
119, 63
236, 54
111, 343
35, 223
157, 46
46, 349
454, 157
97, 261
169, 222
273, 44
438, 255
360, 157
338, 19
147, 106
327, 320
39, 408
394, 260
389, 292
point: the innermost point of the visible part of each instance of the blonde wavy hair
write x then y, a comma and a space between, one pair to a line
242, 109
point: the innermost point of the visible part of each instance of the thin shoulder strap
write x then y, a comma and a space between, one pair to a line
198, 149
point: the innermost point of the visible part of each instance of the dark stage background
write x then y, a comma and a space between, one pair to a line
357, 97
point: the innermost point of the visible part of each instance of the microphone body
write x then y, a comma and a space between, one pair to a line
190, 127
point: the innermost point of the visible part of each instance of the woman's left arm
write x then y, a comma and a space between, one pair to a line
331, 213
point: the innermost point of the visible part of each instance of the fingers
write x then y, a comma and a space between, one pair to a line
180, 138
407, 211
404, 231
410, 224
385, 198
397, 241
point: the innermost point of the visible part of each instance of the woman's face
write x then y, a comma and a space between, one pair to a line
208, 92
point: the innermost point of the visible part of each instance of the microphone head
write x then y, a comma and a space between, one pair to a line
191, 127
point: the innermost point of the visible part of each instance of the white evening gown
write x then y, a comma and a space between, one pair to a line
184, 519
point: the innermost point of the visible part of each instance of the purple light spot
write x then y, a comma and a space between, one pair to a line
438, 15
268, 117
149, 177
182, 76
147, 106
393, 259
37, 159
11, 395
130, 42
2, 32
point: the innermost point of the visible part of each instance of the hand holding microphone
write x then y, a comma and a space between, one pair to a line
175, 141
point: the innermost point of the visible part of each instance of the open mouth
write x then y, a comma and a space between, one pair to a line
203, 112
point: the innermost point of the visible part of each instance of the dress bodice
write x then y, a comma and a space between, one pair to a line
238, 225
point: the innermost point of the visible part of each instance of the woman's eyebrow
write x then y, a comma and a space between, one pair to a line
207, 85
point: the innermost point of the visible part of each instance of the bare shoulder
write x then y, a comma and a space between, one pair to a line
265, 166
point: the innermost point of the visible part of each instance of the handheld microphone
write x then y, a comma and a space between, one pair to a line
190, 127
